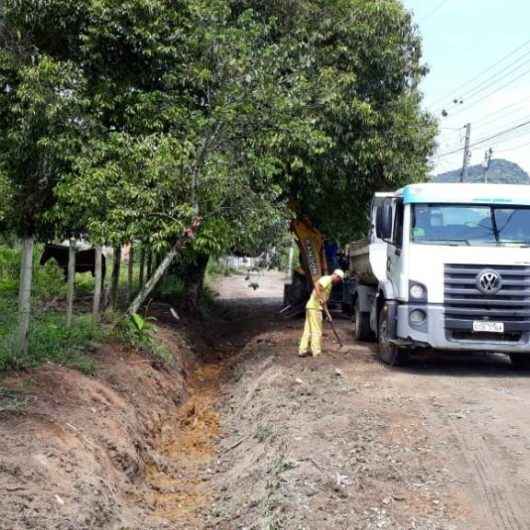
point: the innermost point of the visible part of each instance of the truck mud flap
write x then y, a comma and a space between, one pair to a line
392, 319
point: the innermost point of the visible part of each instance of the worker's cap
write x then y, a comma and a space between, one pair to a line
339, 273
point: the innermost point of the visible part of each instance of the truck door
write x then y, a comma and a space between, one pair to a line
378, 252
395, 261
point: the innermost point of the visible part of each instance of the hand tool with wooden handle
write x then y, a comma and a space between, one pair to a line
328, 314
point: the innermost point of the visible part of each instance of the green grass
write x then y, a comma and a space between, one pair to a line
170, 289
49, 340
216, 267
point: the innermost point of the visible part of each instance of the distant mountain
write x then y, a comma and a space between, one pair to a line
499, 172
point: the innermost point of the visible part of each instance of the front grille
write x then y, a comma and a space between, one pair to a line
501, 337
465, 303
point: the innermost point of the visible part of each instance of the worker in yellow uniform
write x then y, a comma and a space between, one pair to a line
311, 339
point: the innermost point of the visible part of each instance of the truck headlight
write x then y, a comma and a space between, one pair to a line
417, 291
417, 317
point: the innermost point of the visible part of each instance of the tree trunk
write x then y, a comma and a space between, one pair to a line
290, 264
149, 264
146, 290
98, 274
70, 292
130, 275
115, 286
194, 282
24, 300
141, 280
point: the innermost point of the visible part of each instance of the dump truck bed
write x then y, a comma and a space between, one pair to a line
359, 259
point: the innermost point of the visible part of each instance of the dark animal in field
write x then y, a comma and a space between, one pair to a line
85, 260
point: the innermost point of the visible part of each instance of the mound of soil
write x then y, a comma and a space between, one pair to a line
78, 452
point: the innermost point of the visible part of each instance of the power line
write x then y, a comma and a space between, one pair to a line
502, 124
489, 118
488, 139
513, 148
493, 79
480, 74
434, 11
445, 162
496, 91
510, 139
484, 123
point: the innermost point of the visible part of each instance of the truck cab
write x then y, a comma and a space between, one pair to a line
451, 264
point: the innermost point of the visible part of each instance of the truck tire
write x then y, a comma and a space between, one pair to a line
361, 324
520, 361
388, 353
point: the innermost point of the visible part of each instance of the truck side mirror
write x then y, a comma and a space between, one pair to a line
383, 222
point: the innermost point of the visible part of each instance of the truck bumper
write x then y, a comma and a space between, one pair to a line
432, 333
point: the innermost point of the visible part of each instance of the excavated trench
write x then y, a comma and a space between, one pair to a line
187, 480
134, 447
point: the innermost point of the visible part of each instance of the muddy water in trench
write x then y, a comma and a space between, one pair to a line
188, 442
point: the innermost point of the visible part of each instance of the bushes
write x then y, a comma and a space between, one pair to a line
217, 267
171, 289
140, 333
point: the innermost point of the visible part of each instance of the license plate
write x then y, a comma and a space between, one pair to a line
488, 327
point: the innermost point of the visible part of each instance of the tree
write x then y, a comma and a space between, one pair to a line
213, 94
39, 130
360, 64
229, 109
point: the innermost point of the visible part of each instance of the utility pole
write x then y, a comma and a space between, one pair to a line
467, 154
487, 161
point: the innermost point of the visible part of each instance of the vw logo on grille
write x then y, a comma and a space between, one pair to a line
489, 282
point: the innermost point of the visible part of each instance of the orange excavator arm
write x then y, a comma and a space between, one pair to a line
311, 245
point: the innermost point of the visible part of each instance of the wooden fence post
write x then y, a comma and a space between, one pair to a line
24, 300
70, 293
115, 285
130, 273
98, 274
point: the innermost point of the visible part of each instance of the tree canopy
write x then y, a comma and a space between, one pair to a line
360, 64
126, 119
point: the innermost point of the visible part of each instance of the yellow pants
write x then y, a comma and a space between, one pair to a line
312, 333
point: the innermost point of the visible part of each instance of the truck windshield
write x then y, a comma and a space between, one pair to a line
470, 225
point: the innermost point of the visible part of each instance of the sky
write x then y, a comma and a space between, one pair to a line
478, 52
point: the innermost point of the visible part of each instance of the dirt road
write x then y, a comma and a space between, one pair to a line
239, 433
345, 442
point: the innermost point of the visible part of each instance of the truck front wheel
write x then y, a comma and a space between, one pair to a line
389, 353
361, 324
520, 361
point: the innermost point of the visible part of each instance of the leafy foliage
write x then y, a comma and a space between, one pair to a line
359, 63
40, 124
140, 332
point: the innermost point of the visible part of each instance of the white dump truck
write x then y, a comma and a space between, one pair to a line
446, 267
